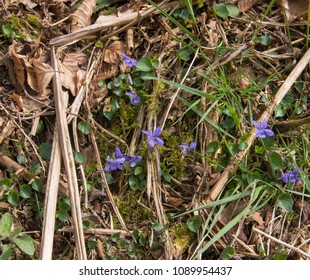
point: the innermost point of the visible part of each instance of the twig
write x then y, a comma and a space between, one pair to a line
50, 202
234, 162
282, 243
97, 27
68, 158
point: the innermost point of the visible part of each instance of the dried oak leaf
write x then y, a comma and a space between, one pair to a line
71, 74
113, 52
44, 74
245, 5
18, 66
82, 16
293, 9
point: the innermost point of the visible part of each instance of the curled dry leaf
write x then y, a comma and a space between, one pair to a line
293, 9
113, 52
245, 5
18, 100
71, 74
82, 16
38, 74
44, 74
18, 66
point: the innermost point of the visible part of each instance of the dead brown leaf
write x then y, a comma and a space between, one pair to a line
175, 201
71, 74
82, 16
18, 66
256, 216
293, 9
108, 71
6, 130
18, 100
113, 52
245, 5
44, 74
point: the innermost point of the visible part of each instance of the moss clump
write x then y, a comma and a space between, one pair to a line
183, 236
35, 22
26, 29
171, 157
133, 213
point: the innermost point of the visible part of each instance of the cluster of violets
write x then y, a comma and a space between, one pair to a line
130, 62
116, 162
262, 132
153, 138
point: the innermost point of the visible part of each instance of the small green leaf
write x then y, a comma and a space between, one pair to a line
155, 246
275, 161
84, 127
122, 243
86, 224
110, 109
279, 111
184, 55
13, 197
91, 244
157, 227
6, 223
194, 223
46, 150
98, 44
138, 170
6, 252
265, 40
26, 244
228, 253
7, 30
109, 178
220, 10
212, 147
115, 237
144, 64
25, 191
285, 202
80, 158
242, 146
21, 159
6, 182
16, 231
133, 181
37, 184
167, 177
62, 215
233, 10
142, 240
40, 126
101, 83
299, 85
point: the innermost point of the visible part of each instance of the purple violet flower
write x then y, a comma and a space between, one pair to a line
128, 61
114, 164
186, 148
291, 176
134, 99
117, 163
132, 160
152, 138
261, 130
118, 153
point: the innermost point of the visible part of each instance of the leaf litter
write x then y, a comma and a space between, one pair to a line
30, 91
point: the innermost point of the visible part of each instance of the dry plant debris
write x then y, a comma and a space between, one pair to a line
154, 130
